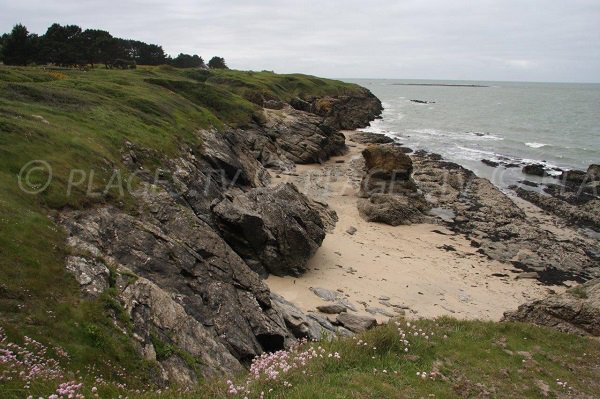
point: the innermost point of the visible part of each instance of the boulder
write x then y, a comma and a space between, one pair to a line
324, 294
594, 172
394, 210
535, 170
333, 308
356, 323
576, 311
296, 321
371, 138
274, 229
388, 171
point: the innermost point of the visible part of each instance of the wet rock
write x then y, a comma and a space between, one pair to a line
275, 230
529, 183
535, 169
356, 323
491, 163
576, 311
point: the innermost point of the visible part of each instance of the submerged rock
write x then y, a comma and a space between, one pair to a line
576, 311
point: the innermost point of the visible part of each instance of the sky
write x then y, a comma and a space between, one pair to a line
507, 40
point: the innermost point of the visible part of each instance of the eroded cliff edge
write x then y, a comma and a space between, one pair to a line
186, 261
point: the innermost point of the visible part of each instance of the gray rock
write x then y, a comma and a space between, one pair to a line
325, 294
356, 323
333, 308
576, 311
156, 315
167, 244
275, 230
351, 230
91, 274
381, 311
296, 321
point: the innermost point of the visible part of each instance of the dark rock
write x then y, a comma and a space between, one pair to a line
169, 247
422, 102
491, 163
356, 323
535, 169
529, 183
275, 230
371, 138
573, 176
500, 229
347, 112
576, 311
594, 172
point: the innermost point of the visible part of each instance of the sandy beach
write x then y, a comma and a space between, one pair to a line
422, 270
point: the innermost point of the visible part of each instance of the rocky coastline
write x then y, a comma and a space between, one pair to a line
188, 262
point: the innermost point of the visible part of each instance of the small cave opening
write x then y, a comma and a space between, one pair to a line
271, 342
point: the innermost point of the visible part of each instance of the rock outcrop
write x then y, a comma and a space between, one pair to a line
389, 194
347, 112
275, 230
500, 229
183, 259
576, 311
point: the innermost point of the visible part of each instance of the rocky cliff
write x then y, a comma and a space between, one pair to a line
186, 262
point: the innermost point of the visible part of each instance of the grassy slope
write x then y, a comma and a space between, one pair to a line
90, 115
80, 120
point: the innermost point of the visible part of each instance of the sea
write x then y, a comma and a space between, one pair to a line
555, 124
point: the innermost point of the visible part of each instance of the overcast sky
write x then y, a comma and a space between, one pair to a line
529, 40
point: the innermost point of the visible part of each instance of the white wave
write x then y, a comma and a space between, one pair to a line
536, 145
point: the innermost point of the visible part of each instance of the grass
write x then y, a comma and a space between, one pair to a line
460, 359
76, 120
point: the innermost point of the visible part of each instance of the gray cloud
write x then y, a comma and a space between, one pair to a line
538, 40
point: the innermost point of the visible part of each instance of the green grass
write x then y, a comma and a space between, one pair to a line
76, 120
462, 359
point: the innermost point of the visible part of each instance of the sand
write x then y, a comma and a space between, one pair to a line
425, 269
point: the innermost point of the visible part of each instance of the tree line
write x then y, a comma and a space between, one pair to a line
71, 46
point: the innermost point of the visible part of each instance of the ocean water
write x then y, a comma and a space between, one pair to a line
557, 124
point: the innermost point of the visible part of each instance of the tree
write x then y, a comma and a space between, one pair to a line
96, 45
217, 63
63, 45
17, 47
188, 61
